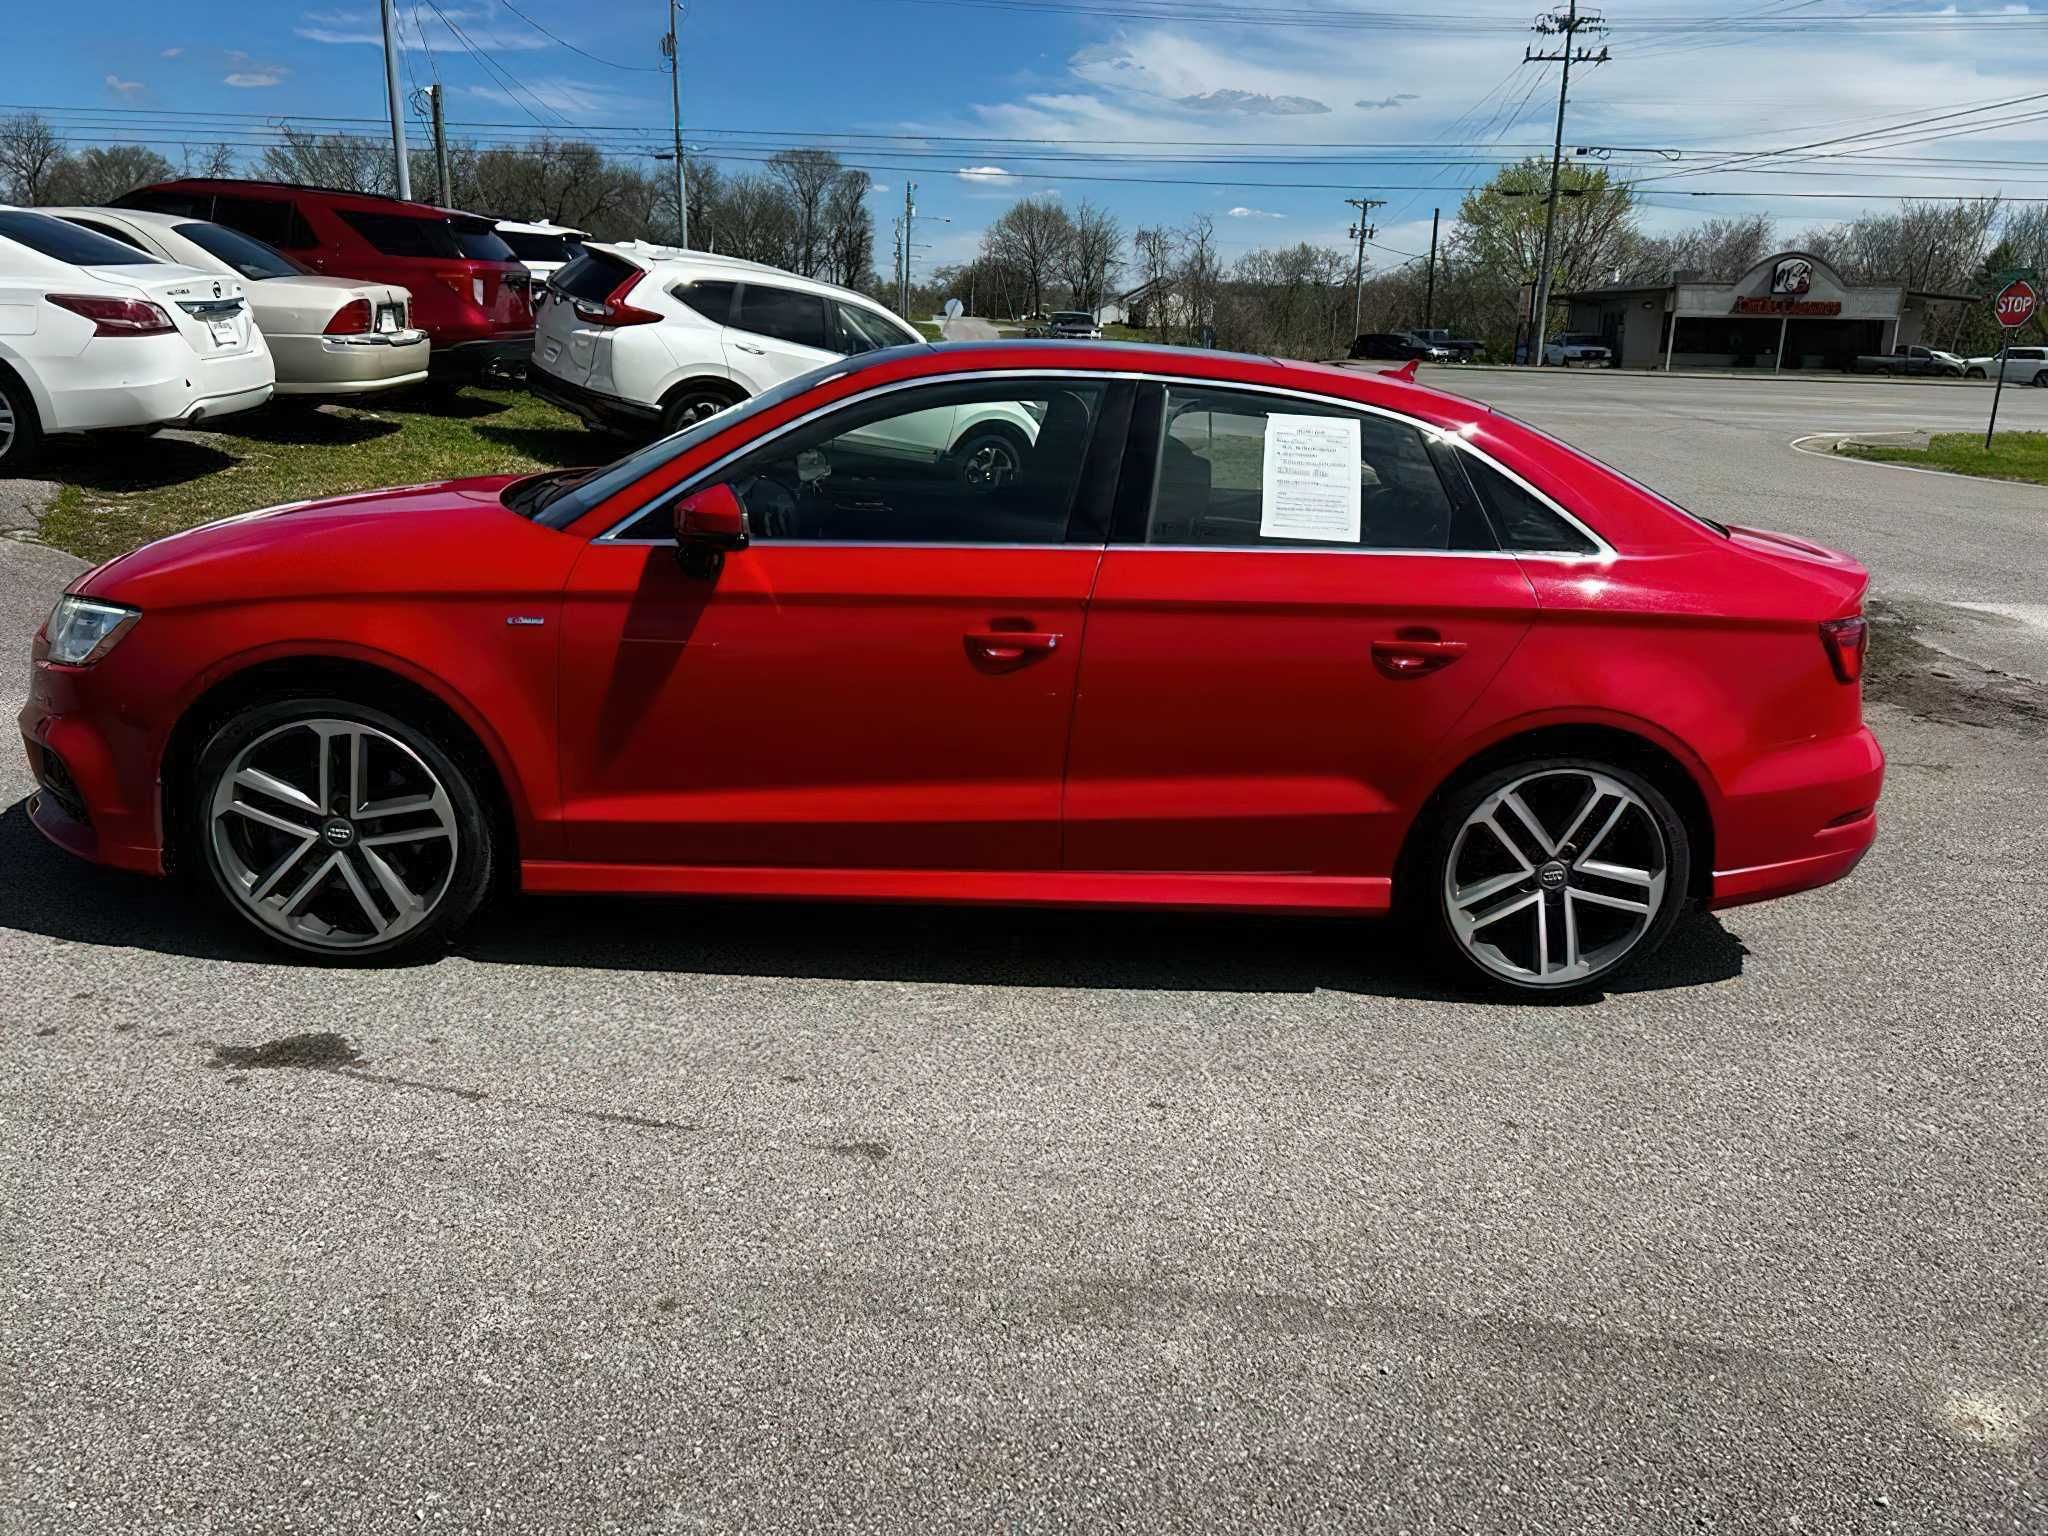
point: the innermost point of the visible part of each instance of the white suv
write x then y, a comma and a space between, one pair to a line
637, 337
96, 334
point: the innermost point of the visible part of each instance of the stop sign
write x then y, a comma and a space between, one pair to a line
2015, 303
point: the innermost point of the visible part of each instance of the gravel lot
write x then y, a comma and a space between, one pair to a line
681, 1217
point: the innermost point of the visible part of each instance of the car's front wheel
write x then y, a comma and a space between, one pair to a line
20, 431
337, 829
1976, 373
1553, 874
989, 457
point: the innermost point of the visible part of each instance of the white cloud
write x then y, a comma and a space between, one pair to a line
983, 174
433, 31
170, 53
1227, 100
125, 88
559, 94
250, 79
1400, 98
1241, 212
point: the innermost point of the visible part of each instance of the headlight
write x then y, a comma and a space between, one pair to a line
80, 631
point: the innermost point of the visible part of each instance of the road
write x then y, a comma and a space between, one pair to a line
674, 1217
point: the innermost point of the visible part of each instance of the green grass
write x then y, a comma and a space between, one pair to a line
2013, 455
119, 491
929, 329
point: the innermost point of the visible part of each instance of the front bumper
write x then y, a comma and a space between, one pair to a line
96, 794
506, 353
591, 407
1798, 819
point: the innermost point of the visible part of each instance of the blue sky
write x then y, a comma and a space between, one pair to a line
972, 90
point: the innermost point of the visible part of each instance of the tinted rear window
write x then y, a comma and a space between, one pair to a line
192, 205
274, 221
539, 247
591, 277
798, 318
398, 234
1520, 517
67, 242
252, 258
480, 242
711, 300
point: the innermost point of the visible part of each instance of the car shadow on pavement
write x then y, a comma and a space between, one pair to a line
49, 892
291, 426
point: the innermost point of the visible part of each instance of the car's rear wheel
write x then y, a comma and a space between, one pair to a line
1552, 875
689, 406
989, 457
340, 830
21, 435
1976, 373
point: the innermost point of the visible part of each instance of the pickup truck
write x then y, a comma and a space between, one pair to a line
1924, 361
1461, 349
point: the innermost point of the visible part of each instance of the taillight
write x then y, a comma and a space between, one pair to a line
352, 319
615, 310
116, 317
463, 285
1845, 641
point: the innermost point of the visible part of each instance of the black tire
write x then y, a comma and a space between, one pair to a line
690, 405
1976, 373
1427, 898
990, 456
2041, 378
25, 442
471, 867
1886, 372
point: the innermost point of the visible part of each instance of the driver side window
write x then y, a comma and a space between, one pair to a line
985, 463
1212, 487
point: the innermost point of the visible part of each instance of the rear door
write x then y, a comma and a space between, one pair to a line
565, 343
777, 333
1299, 600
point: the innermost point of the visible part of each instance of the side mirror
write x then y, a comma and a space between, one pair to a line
709, 523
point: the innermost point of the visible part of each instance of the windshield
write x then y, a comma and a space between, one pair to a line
250, 257
1073, 317
67, 242
563, 505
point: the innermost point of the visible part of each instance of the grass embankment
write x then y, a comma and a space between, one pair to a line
120, 491
2013, 455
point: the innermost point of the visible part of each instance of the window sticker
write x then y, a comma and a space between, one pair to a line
1311, 488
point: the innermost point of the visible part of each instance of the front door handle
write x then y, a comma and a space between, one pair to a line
751, 351
1415, 658
1010, 647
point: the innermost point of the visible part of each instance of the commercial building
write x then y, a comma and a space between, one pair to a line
1791, 310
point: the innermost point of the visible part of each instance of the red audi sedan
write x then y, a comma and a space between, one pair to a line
1011, 623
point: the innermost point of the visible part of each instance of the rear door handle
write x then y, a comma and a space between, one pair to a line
753, 351
1415, 658
1010, 647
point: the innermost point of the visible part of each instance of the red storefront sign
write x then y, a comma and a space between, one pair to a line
1794, 307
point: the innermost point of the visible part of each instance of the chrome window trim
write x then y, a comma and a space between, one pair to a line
1450, 435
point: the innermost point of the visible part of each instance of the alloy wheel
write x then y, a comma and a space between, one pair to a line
1556, 877
6, 424
334, 833
989, 463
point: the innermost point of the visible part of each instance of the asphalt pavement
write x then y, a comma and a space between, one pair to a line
697, 1217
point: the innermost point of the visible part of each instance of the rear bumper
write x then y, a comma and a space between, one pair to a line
147, 381
594, 409
470, 359
349, 365
1799, 819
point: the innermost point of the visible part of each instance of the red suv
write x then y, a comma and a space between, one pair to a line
469, 293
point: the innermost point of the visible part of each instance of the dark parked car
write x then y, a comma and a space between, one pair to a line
1397, 347
1462, 349
470, 294
1924, 361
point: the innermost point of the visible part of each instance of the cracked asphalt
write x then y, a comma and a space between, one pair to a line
688, 1217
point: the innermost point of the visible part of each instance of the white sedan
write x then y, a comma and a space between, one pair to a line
95, 334
2023, 365
331, 336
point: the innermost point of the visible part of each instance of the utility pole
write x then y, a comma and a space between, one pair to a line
1362, 232
903, 260
440, 144
1570, 24
1429, 299
391, 90
673, 54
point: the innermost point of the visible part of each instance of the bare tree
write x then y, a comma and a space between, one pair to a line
1034, 236
100, 175
1156, 253
849, 230
337, 160
756, 221
1720, 250
1093, 255
213, 161
1198, 277
808, 176
29, 148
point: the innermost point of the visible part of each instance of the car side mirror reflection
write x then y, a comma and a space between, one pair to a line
709, 524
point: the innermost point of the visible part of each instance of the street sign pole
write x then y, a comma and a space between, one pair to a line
2014, 307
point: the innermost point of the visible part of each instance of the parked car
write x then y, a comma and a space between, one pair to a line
1074, 325
469, 295
1461, 349
1396, 347
95, 334
640, 337
1506, 690
1585, 350
542, 248
329, 336
2023, 365
1924, 362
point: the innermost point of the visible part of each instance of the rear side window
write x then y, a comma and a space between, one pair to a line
860, 330
108, 230
591, 277
272, 220
1213, 487
67, 242
711, 300
783, 314
191, 205
397, 234
1521, 518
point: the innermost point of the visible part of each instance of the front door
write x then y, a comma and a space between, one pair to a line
882, 680
1272, 663
777, 333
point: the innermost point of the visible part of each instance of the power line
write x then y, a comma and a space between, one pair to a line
637, 69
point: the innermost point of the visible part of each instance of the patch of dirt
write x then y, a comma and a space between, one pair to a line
1930, 683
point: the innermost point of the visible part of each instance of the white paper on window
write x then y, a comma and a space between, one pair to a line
1311, 487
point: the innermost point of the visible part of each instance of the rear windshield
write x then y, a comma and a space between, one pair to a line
1657, 495
250, 257
67, 242
480, 242
539, 247
404, 235
591, 277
